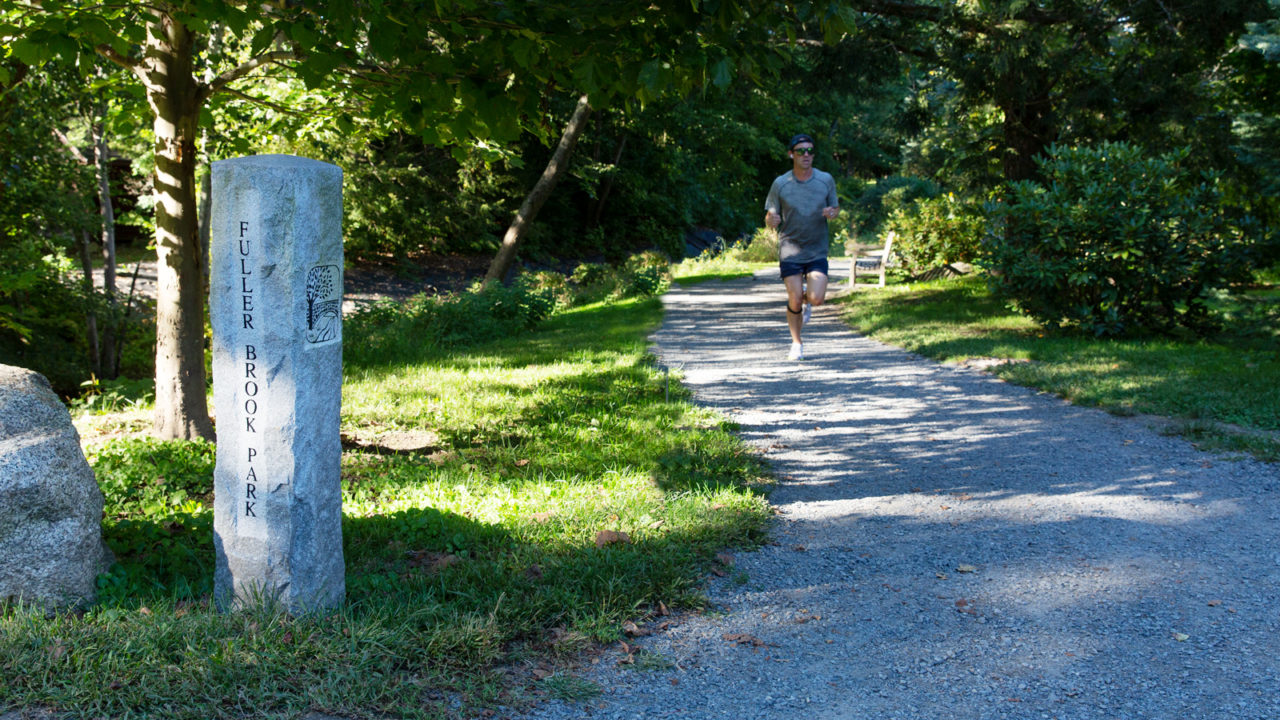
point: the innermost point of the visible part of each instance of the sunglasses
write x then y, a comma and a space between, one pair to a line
803, 151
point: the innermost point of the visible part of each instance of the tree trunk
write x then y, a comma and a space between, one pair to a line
1028, 130
91, 320
541, 191
182, 409
607, 185
110, 331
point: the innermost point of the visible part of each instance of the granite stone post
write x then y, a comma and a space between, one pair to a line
275, 303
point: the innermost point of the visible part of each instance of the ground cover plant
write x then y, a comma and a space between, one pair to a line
730, 260
1223, 390
507, 503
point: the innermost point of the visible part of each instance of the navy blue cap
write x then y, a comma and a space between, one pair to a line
797, 139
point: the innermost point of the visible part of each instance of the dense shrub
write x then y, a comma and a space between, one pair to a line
391, 331
935, 232
642, 275
763, 246
646, 274
1116, 242
43, 213
880, 199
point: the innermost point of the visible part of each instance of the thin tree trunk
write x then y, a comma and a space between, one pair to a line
538, 195
91, 320
182, 408
607, 185
101, 150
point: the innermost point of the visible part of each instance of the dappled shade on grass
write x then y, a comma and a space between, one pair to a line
1233, 377
477, 550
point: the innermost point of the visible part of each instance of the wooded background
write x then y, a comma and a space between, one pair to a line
557, 131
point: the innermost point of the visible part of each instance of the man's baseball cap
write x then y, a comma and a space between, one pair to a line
797, 139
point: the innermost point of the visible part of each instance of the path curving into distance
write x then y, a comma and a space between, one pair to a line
952, 546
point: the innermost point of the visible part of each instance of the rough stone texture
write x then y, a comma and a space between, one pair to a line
51, 545
275, 306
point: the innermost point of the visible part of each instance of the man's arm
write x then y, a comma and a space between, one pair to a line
772, 207
833, 200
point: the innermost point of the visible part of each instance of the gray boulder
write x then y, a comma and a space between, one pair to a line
51, 546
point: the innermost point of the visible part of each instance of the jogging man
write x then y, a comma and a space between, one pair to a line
799, 205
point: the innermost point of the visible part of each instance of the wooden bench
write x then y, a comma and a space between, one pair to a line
870, 261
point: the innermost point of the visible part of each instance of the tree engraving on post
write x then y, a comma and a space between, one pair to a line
324, 304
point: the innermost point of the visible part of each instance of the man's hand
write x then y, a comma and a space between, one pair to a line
830, 213
772, 219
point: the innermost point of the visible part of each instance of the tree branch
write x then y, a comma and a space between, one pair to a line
266, 103
81, 157
111, 54
221, 82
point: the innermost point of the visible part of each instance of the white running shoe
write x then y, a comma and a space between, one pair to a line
808, 312
797, 352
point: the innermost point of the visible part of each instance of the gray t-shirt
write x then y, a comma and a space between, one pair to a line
802, 236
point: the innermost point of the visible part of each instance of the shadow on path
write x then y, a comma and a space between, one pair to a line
953, 546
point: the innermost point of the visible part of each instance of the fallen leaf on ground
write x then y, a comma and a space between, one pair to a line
609, 537
1215, 603
1181, 637
633, 630
541, 517
629, 655
724, 559
966, 569
432, 561
743, 639
522, 462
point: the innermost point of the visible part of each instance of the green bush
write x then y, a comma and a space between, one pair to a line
936, 231
763, 246
642, 275
392, 331
1116, 242
879, 200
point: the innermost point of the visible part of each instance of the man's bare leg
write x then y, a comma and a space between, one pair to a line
817, 291
795, 304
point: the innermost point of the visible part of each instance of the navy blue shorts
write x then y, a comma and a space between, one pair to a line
792, 268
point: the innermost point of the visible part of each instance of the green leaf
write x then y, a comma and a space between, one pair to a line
722, 73
29, 52
262, 39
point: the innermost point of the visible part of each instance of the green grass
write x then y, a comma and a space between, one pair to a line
725, 266
1233, 378
469, 560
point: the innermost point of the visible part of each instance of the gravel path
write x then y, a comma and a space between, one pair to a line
952, 546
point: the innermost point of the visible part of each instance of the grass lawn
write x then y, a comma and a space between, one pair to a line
1218, 388
474, 500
